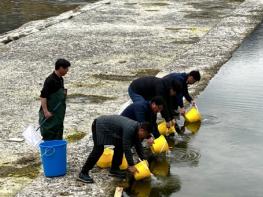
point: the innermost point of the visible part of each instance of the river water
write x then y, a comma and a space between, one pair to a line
14, 13
224, 158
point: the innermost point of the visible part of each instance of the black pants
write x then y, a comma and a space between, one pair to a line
97, 152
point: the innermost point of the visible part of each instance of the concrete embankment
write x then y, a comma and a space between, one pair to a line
109, 43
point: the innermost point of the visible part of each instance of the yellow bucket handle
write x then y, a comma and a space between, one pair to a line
163, 146
195, 107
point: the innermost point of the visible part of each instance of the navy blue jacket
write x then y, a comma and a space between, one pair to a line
150, 86
181, 77
141, 112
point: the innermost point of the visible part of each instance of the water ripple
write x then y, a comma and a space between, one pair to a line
184, 155
210, 120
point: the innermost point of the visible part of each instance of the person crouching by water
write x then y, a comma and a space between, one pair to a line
53, 105
146, 111
121, 132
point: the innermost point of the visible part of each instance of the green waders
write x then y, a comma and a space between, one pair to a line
53, 127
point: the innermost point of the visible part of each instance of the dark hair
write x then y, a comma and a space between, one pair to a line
176, 86
195, 74
62, 63
146, 126
158, 100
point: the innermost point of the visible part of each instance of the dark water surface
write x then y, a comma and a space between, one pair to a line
224, 159
14, 13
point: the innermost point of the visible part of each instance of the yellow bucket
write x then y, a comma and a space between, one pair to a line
193, 115
143, 170
160, 168
160, 145
124, 164
193, 127
163, 130
106, 158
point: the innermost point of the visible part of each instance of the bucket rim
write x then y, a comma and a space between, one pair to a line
42, 144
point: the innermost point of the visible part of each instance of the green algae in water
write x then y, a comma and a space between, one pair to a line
75, 136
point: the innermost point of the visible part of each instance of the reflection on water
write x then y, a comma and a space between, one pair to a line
163, 186
193, 127
14, 13
160, 167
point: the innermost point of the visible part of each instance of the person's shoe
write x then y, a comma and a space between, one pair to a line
117, 173
85, 178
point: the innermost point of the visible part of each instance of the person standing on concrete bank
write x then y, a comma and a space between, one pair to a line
121, 132
145, 111
185, 79
53, 102
145, 88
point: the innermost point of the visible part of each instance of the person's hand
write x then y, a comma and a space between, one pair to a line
150, 141
182, 111
173, 122
168, 124
193, 103
47, 114
132, 169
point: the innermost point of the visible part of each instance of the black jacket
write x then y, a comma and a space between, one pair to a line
151, 86
116, 129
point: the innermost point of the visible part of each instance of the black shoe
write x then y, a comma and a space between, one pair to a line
85, 178
117, 173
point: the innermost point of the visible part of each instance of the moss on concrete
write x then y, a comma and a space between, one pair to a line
82, 98
75, 136
29, 171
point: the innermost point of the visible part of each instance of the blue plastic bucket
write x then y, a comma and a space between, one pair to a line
54, 157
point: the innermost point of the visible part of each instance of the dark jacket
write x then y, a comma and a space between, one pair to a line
141, 112
181, 77
151, 86
115, 129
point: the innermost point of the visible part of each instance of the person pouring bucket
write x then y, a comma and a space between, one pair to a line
121, 132
53, 105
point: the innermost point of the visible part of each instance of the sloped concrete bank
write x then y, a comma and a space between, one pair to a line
109, 44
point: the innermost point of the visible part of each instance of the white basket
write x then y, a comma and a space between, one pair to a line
32, 136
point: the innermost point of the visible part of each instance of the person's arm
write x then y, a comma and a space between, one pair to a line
186, 94
45, 92
127, 144
128, 155
155, 132
47, 113
139, 149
